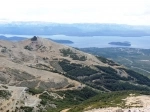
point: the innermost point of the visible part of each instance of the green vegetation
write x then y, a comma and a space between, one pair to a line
74, 56
5, 94
140, 78
83, 71
74, 69
66, 52
70, 98
43, 67
108, 70
4, 86
104, 78
105, 60
112, 81
27, 109
103, 100
34, 91
134, 58
118, 86
67, 66
28, 48
3, 50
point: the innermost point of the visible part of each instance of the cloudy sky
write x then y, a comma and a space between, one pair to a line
134, 12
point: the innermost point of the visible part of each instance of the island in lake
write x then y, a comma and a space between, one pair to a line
120, 43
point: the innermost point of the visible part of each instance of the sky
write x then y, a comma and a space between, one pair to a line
133, 12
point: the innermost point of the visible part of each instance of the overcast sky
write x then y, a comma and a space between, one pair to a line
134, 12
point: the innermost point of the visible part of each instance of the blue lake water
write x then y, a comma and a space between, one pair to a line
97, 41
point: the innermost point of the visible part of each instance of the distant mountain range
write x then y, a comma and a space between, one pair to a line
84, 29
14, 38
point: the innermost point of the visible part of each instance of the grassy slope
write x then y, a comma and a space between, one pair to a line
102, 100
71, 98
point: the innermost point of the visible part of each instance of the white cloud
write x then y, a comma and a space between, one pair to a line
73, 11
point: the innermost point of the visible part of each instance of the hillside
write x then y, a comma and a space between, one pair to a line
133, 58
49, 76
121, 101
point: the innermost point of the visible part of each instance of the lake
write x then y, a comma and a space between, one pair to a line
97, 41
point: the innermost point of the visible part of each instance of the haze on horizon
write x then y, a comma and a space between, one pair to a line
132, 12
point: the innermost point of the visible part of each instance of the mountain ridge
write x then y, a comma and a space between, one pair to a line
50, 73
41, 52
17, 38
